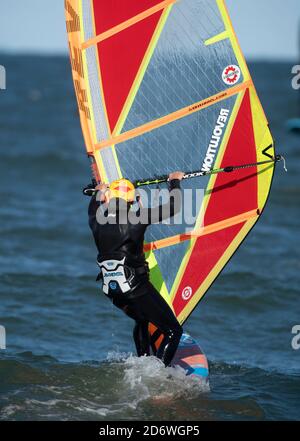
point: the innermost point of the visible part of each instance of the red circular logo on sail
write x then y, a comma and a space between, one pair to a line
187, 293
231, 74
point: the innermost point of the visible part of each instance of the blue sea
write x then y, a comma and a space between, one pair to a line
70, 354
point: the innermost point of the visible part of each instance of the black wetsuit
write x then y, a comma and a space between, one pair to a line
142, 303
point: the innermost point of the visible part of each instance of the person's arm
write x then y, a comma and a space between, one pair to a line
173, 206
92, 211
97, 199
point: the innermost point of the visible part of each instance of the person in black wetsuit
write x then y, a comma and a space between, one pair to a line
123, 268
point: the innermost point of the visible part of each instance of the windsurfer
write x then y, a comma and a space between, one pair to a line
123, 267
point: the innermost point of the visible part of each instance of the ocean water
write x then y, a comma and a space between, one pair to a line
69, 352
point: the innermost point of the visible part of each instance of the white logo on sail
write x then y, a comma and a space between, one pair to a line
215, 140
187, 293
231, 75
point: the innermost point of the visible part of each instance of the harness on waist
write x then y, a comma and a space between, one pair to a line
119, 277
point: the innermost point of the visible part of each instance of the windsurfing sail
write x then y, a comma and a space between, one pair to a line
163, 86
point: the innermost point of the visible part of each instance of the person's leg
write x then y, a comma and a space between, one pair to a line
153, 308
141, 338
172, 331
140, 331
169, 345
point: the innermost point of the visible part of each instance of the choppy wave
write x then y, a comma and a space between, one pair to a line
126, 387
119, 387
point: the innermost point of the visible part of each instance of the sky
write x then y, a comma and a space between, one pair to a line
266, 28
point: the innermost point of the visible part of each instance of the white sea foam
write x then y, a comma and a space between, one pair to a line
147, 378
9, 411
117, 356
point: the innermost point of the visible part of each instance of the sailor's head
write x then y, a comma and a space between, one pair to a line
123, 190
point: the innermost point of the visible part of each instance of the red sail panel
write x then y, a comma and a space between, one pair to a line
110, 13
120, 59
207, 252
232, 195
